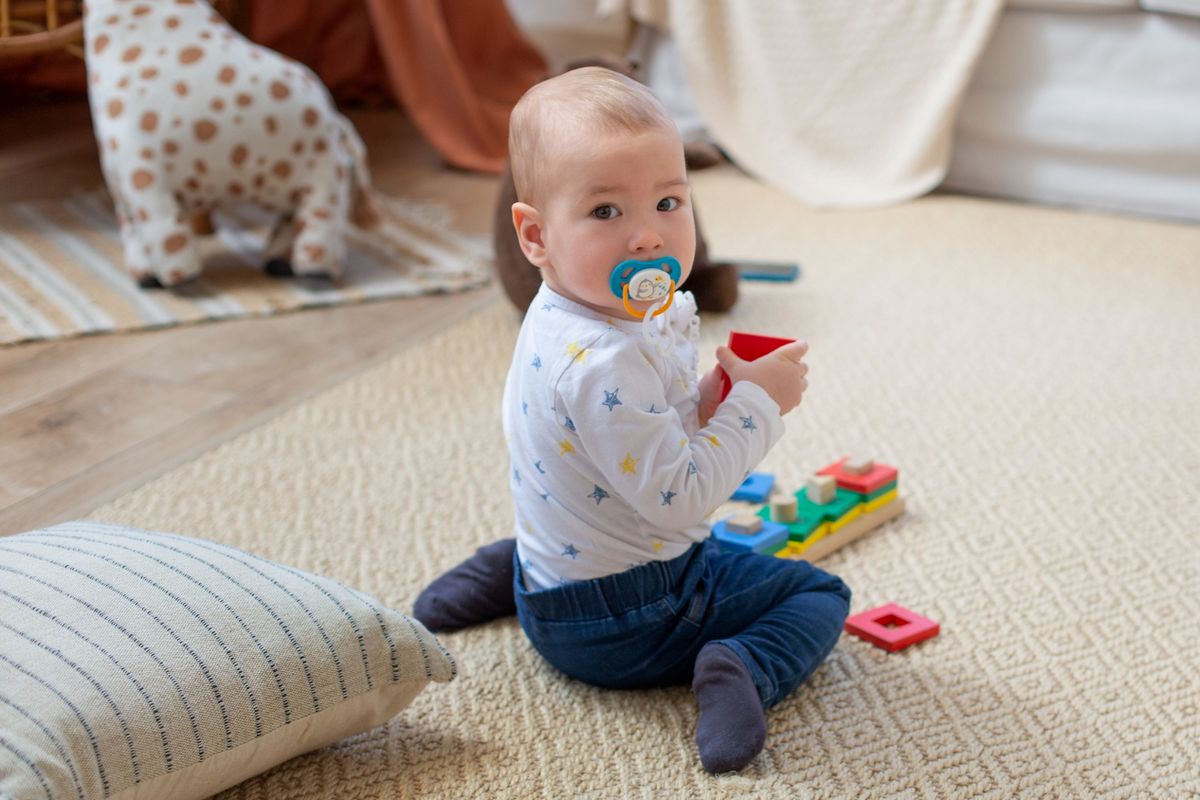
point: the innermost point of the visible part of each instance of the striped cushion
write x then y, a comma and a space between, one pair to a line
149, 665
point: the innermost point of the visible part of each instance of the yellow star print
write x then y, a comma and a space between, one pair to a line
565, 447
629, 465
658, 545
716, 442
577, 352
683, 442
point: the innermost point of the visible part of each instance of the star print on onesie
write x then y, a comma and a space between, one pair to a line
609, 467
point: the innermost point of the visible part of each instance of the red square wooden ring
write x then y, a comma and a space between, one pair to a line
892, 627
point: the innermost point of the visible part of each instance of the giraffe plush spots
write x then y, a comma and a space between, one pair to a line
190, 116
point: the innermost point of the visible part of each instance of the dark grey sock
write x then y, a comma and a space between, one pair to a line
732, 727
478, 590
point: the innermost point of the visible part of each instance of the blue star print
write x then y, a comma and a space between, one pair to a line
666, 496
653, 410
748, 424
545, 497
538, 464
537, 361
611, 399
569, 550
598, 495
525, 408
517, 476
570, 425
547, 307
691, 468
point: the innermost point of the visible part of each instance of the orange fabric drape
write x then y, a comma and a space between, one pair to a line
333, 37
456, 66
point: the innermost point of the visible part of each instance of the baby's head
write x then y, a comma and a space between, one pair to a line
600, 179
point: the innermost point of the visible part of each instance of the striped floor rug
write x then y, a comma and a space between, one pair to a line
62, 274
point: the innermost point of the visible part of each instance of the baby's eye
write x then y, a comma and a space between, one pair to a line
606, 211
668, 204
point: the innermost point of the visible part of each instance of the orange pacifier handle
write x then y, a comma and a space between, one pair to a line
641, 314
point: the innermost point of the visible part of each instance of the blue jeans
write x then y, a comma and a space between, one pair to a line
643, 627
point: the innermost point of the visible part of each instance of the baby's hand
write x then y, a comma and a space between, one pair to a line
780, 373
710, 395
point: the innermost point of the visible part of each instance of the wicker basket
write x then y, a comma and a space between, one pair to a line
31, 27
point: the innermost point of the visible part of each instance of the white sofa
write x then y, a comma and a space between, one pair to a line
1092, 103
1084, 103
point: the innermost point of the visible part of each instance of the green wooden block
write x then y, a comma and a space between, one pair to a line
882, 490
843, 502
799, 530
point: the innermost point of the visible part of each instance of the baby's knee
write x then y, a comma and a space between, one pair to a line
831, 584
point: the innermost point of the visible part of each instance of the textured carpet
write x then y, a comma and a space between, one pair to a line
62, 272
1033, 374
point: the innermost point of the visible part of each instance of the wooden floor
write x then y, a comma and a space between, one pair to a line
83, 420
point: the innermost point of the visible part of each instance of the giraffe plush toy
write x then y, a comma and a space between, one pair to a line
190, 116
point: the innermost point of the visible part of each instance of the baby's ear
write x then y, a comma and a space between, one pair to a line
527, 221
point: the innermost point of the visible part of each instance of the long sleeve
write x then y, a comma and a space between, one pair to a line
617, 406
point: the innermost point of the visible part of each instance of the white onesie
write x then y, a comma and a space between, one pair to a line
609, 467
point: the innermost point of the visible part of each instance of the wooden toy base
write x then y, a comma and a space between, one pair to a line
852, 531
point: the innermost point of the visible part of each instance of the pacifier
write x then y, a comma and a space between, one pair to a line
646, 281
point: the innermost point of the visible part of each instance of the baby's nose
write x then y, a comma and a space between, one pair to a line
646, 238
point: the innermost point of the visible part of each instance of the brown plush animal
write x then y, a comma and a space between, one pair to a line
714, 285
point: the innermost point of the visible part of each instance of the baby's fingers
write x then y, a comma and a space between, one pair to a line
793, 351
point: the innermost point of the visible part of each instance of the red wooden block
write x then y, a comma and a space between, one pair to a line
892, 627
881, 475
748, 347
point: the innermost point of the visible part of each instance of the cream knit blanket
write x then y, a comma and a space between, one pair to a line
837, 104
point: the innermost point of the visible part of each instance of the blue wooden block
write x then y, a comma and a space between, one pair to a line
755, 488
769, 539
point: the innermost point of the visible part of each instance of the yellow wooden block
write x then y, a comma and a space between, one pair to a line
814, 537
846, 518
864, 524
790, 551
882, 500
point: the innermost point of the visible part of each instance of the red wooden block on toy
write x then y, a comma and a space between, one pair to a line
879, 476
891, 627
748, 347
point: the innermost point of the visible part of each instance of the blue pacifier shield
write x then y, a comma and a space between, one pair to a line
647, 280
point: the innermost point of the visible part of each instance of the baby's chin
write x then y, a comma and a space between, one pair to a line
616, 311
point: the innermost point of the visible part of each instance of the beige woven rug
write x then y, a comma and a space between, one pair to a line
62, 272
1033, 374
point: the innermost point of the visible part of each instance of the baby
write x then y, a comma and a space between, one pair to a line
619, 452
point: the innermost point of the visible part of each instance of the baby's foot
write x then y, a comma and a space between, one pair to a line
478, 590
732, 727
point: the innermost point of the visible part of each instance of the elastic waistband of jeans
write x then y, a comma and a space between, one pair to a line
610, 595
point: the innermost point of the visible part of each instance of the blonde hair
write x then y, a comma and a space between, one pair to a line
587, 99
